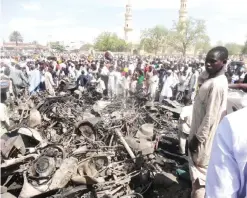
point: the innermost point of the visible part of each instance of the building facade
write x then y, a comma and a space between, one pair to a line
11, 46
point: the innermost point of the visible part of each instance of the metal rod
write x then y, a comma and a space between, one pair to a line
119, 134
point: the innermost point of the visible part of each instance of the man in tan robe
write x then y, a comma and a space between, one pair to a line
209, 108
49, 83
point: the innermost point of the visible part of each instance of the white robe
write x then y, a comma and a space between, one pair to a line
104, 71
185, 119
77, 73
227, 170
126, 83
153, 85
49, 83
119, 83
184, 127
100, 86
111, 84
4, 117
181, 85
168, 83
72, 72
133, 86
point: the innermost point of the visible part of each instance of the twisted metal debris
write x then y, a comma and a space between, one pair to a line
82, 147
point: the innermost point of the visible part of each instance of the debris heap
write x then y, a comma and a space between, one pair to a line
74, 146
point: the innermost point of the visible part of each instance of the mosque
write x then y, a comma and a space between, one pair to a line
128, 27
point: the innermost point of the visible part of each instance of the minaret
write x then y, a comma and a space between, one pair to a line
128, 22
183, 11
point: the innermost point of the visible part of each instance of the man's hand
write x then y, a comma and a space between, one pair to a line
193, 144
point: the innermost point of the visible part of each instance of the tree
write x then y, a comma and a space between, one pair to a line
185, 35
244, 49
57, 46
86, 47
110, 41
203, 45
219, 43
154, 39
234, 48
16, 37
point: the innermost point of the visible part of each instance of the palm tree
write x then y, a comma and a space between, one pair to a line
16, 37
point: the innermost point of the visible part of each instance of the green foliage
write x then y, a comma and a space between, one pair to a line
244, 49
203, 45
16, 37
185, 35
86, 47
234, 48
219, 43
154, 39
110, 41
57, 46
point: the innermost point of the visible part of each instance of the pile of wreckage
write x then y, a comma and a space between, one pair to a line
73, 146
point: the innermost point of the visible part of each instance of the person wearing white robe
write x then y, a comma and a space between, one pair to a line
72, 71
77, 72
4, 119
184, 125
100, 85
111, 83
181, 86
104, 71
133, 85
34, 80
49, 83
192, 86
149, 75
119, 83
153, 85
167, 87
131, 67
126, 85
227, 170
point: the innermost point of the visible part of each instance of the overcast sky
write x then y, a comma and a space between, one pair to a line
74, 20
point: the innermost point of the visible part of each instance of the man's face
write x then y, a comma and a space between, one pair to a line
213, 64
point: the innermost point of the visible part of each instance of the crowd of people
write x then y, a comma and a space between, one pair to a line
159, 78
200, 84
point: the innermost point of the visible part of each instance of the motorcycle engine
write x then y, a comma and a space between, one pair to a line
44, 166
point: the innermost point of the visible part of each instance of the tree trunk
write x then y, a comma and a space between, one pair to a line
184, 52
